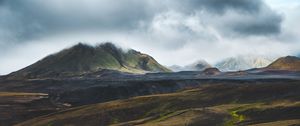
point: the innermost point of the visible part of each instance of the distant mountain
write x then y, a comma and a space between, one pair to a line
83, 58
211, 71
243, 63
197, 66
176, 68
290, 63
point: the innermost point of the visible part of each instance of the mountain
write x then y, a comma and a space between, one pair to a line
82, 58
196, 66
243, 63
211, 71
176, 68
290, 63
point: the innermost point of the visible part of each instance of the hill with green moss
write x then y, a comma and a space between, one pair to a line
82, 58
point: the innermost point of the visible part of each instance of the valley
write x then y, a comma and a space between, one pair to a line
196, 96
209, 104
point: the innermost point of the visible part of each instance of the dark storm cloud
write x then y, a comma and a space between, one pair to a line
28, 19
263, 21
220, 6
23, 20
269, 26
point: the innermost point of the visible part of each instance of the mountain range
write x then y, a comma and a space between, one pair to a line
243, 63
90, 85
238, 63
84, 59
199, 65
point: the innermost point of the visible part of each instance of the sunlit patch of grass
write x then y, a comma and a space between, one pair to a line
235, 118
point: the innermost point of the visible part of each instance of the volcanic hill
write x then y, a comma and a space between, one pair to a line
83, 58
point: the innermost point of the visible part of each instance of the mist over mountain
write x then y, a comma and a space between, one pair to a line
82, 58
243, 63
199, 65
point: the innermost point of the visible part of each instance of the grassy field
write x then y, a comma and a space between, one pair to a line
19, 106
214, 104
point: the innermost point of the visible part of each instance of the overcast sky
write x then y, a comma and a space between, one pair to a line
172, 31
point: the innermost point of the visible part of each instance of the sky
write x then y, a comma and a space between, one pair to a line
172, 31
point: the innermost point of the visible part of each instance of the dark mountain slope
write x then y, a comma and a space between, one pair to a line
81, 59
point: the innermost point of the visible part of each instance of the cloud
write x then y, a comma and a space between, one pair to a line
25, 20
34, 18
240, 17
221, 6
265, 23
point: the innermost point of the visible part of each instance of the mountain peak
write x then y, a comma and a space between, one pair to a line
81, 45
199, 65
287, 59
202, 64
291, 63
108, 46
291, 58
243, 63
211, 71
83, 58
